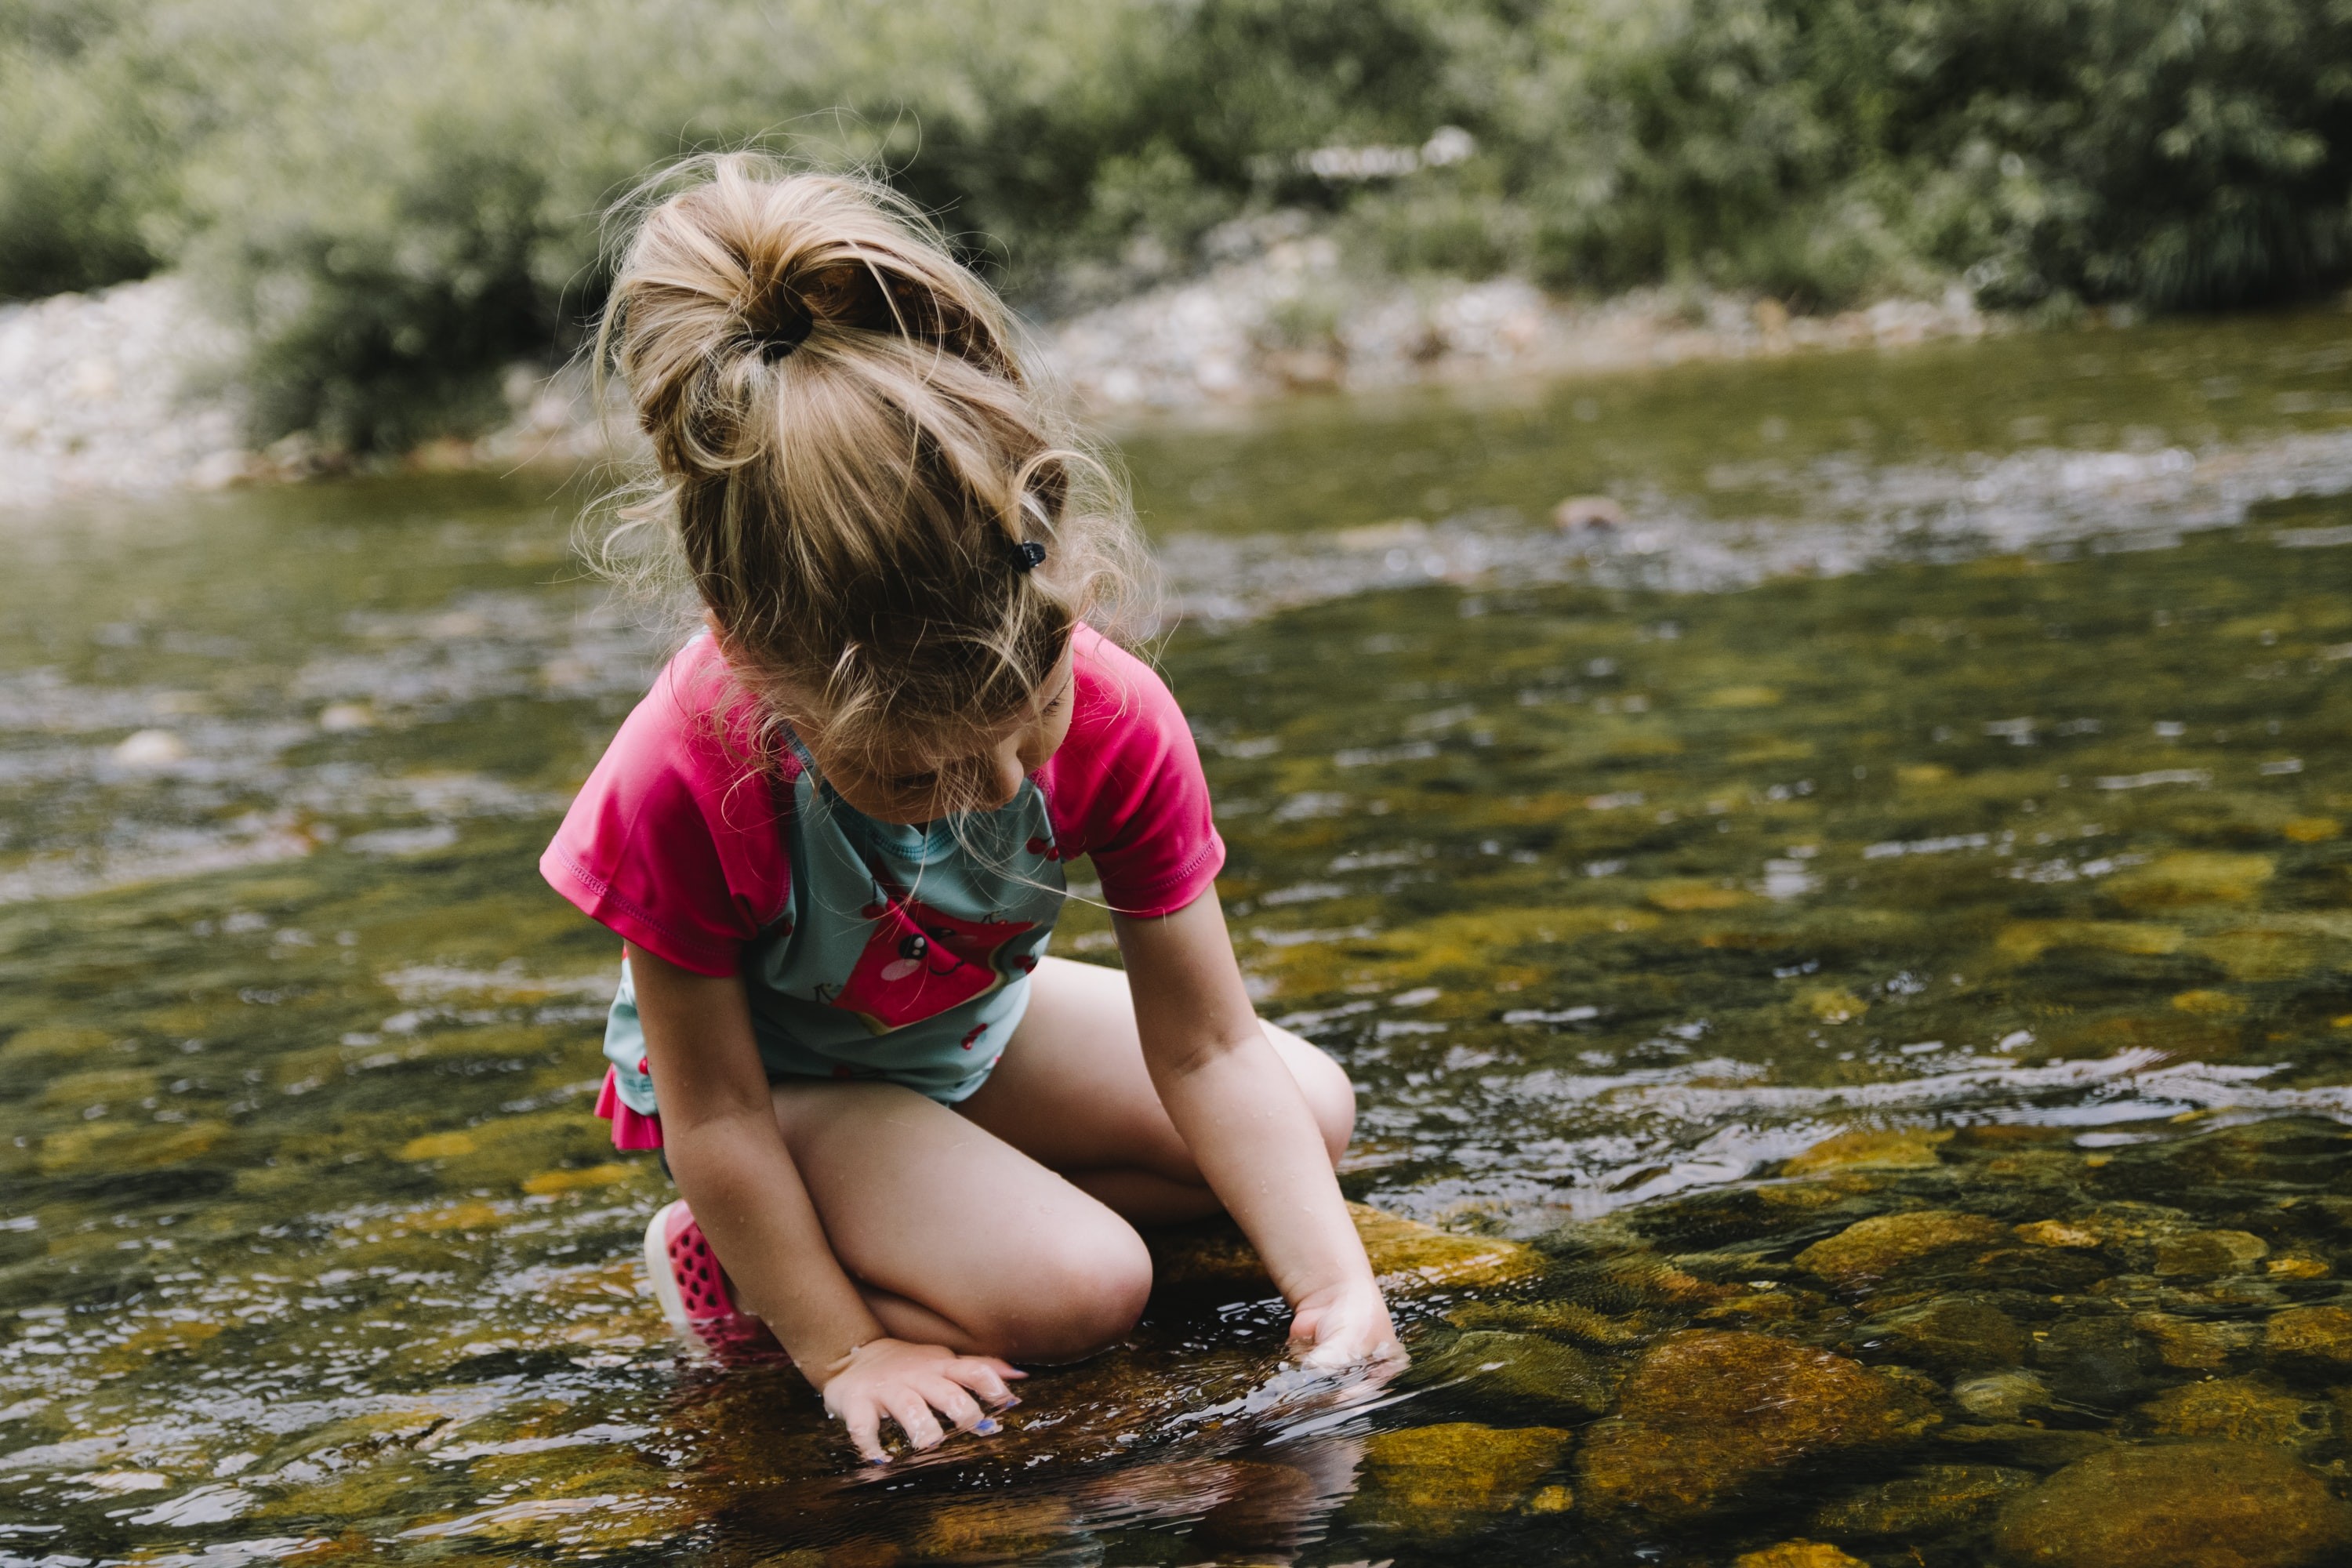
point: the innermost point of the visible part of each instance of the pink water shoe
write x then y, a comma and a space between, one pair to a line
693, 1289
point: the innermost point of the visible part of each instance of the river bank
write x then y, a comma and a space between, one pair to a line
132, 391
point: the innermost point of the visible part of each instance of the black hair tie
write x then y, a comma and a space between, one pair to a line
788, 326
1027, 556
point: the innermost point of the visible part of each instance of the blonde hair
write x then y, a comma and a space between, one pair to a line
850, 458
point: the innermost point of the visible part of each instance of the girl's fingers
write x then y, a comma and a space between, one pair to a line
951, 1400
865, 1424
914, 1417
984, 1376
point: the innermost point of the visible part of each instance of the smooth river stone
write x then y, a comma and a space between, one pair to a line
2194, 877
2002, 1395
1798, 1554
1406, 1255
2255, 1409
1443, 1479
1871, 1149
2102, 1361
1705, 1412
1872, 1248
2190, 1505
1932, 1499
1523, 1367
1564, 1318
2210, 1254
2318, 1338
1951, 1334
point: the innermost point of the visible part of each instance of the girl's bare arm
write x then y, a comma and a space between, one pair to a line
730, 1162
1249, 1129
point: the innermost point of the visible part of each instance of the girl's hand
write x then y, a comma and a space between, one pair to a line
906, 1381
1344, 1327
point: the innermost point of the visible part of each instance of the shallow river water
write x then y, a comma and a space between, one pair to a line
1851, 951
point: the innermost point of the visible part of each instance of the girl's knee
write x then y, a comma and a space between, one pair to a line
1328, 1093
1079, 1294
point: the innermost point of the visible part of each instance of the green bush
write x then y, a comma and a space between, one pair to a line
84, 166
399, 198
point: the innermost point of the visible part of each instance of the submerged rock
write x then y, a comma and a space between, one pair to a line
2036, 1448
1872, 1248
2192, 1505
1951, 1334
2210, 1254
1931, 1499
1438, 1480
997, 1530
2002, 1395
1878, 1148
2100, 1362
1405, 1253
1797, 1554
1705, 1412
1566, 1319
2318, 1338
2244, 1409
1523, 1367
2191, 877
2192, 1344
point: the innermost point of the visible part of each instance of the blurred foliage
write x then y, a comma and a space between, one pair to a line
400, 198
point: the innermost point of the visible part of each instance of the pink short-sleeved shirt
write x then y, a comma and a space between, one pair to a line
673, 842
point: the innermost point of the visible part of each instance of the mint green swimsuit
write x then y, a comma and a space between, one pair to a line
905, 952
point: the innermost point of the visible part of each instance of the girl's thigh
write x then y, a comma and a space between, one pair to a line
1073, 1091
923, 1204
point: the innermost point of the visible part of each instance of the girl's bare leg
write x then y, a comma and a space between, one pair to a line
956, 1238
995, 1227
1072, 1093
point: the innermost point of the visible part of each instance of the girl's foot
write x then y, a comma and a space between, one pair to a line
692, 1288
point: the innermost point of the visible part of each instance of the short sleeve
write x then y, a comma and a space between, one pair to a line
672, 844
1126, 786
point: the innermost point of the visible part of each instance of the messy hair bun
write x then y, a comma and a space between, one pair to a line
851, 462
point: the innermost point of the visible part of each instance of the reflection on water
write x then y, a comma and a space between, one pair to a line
1877, 1028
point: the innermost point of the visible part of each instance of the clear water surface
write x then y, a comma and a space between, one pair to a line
1917, 803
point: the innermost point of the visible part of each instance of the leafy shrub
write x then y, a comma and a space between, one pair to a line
82, 153
400, 196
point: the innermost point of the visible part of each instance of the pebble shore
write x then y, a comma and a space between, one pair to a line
129, 392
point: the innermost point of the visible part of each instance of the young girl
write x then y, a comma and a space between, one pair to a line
833, 838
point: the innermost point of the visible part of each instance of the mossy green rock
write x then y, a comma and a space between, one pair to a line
2192, 1505
1564, 1319
2242, 1409
1524, 1367
1407, 1255
1703, 1413
1872, 1248
1951, 1334
1443, 1479
1931, 1499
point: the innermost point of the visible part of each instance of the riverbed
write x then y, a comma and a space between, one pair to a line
1841, 932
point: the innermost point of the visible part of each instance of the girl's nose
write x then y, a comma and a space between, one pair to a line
1005, 778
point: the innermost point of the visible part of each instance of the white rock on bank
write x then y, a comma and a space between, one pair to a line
1294, 316
116, 393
